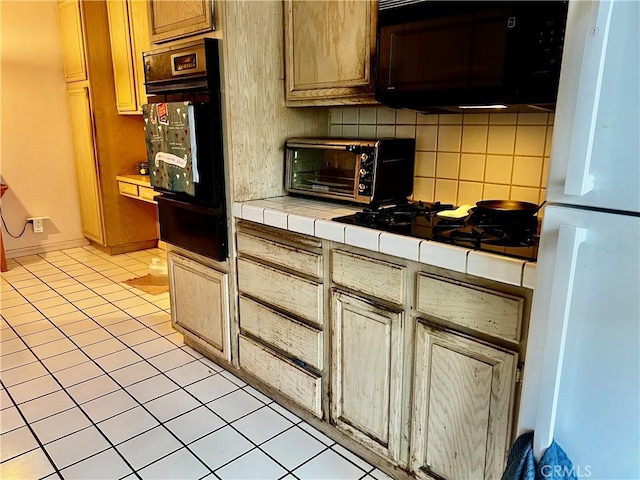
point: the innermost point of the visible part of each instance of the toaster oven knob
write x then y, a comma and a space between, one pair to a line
363, 172
364, 157
361, 187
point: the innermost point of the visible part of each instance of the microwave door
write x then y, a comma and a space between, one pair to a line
171, 146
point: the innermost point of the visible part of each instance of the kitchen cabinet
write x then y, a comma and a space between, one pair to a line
281, 310
199, 302
414, 367
329, 52
86, 166
138, 187
179, 18
366, 372
129, 34
73, 46
105, 144
462, 406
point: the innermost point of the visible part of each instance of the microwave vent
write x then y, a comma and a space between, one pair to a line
390, 4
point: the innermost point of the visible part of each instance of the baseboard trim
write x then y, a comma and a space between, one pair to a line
49, 247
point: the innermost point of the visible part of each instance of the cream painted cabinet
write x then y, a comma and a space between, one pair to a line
172, 19
281, 312
329, 52
86, 165
129, 33
366, 365
199, 302
73, 46
463, 393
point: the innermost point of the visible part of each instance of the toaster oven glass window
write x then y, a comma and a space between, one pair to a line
323, 170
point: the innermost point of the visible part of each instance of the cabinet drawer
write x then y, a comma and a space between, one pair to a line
128, 188
373, 277
295, 338
147, 193
277, 253
283, 290
298, 384
486, 311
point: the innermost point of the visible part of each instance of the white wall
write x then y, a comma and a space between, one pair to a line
36, 152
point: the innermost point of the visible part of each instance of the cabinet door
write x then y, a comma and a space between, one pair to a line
463, 394
199, 302
121, 56
366, 362
329, 50
179, 18
72, 38
139, 26
86, 165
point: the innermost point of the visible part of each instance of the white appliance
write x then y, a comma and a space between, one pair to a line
582, 372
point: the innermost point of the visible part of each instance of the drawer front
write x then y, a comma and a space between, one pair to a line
282, 290
373, 277
295, 338
147, 193
299, 385
486, 311
280, 254
128, 188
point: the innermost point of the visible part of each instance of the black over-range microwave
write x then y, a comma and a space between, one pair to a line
450, 54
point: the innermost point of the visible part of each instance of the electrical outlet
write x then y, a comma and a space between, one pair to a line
38, 225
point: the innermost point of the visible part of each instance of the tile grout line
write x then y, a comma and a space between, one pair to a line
163, 372
28, 425
58, 470
78, 405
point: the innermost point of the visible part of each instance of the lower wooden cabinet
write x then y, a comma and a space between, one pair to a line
463, 394
199, 302
366, 366
296, 383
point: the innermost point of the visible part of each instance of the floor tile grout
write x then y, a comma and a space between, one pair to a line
59, 267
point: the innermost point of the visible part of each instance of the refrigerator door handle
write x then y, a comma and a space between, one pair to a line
569, 240
579, 181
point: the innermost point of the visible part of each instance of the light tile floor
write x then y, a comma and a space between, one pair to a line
96, 384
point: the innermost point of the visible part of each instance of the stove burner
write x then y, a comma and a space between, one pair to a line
399, 215
504, 234
473, 234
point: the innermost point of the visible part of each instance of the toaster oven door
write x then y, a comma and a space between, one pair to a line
322, 171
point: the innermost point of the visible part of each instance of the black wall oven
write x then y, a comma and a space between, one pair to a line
183, 131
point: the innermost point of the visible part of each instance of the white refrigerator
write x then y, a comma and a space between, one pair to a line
581, 383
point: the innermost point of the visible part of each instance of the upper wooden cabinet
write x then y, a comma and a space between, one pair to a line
73, 47
171, 19
329, 52
106, 144
129, 33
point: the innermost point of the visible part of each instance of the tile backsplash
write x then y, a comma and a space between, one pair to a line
462, 158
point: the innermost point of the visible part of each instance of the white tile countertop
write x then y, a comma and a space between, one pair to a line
313, 217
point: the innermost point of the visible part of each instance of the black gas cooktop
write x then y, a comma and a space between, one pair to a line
511, 235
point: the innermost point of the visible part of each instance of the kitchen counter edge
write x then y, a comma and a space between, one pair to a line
313, 217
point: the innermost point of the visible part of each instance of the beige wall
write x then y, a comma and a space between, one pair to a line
461, 159
36, 150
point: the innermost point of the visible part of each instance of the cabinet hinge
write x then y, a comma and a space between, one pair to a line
519, 373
